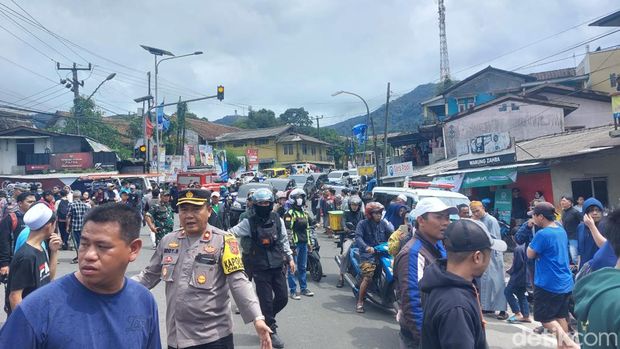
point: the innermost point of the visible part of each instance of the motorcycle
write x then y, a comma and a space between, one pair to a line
381, 289
314, 266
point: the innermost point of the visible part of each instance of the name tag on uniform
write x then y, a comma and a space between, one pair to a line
171, 250
206, 258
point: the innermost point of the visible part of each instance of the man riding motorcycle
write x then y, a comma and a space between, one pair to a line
369, 233
352, 216
299, 223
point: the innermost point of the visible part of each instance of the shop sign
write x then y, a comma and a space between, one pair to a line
503, 204
71, 161
489, 178
455, 180
489, 149
365, 170
402, 169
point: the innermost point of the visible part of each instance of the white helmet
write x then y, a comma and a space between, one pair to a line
296, 193
280, 195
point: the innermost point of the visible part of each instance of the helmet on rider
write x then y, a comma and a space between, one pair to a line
280, 195
373, 207
355, 200
298, 197
263, 202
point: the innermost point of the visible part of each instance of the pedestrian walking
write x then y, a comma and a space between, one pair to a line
517, 287
200, 264
31, 267
553, 279
597, 298
87, 306
75, 221
266, 248
433, 217
452, 311
62, 211
492, 282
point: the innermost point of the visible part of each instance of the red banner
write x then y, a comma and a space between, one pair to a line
71, 161
252, 155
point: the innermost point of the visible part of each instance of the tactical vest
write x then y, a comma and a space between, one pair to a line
265, 252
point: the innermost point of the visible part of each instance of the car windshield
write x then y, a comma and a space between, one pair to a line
334, 175
280, 185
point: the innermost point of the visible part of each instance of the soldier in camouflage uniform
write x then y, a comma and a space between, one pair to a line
160, 217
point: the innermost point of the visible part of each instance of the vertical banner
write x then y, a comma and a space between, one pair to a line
209, 155
503, 204
221, 164
252, 155
202, 149
615, 106
242, 167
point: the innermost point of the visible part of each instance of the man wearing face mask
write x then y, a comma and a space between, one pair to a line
266, 248
298, 221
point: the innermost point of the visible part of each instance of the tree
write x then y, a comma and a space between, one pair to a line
297, 117
233, 162
85, 121
259, 119
136, 127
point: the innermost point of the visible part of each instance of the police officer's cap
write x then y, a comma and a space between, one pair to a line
194, 196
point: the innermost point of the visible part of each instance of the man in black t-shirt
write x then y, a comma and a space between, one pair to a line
31, 267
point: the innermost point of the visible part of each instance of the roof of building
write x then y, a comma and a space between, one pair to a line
96, 146
554, 74
297, 137
568, 107
209, 130
561, 145
612, 20
487, 70
568, 91
7, 122
253, 134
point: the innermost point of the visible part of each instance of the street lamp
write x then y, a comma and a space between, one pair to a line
160, 52
372, 124
147, 163
110, 77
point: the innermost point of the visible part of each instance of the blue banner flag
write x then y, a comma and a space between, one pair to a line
359, 131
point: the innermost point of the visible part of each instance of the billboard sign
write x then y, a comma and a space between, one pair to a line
71, 161
487, 150
402, 169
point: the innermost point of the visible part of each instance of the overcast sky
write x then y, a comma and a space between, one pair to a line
279, 54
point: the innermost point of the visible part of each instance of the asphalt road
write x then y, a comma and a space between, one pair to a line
327, 320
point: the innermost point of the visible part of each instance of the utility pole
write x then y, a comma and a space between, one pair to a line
75, 87
148, 115
318, 129
385, 130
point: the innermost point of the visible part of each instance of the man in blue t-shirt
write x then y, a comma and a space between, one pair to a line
95, 307
553, 278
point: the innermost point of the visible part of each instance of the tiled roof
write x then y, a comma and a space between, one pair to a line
296, 137
208, 130
253, 134
554, 74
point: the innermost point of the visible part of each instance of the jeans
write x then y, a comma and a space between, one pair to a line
271, 292
572, 248
62, 230
77, 234
301, 261
515, 295
222, 343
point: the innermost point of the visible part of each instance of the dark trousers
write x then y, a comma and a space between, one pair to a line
62, 230
515, 295
222, 343
272, 293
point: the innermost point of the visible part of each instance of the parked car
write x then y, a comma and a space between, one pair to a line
239, 205
342, 177
246, 177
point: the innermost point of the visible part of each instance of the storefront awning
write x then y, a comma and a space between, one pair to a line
489, 178
488, 168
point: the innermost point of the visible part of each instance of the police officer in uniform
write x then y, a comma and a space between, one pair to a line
266, 249
160, 217
199, 265
298, 221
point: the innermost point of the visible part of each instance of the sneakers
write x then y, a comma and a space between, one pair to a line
294, 296
276, 341
307, 293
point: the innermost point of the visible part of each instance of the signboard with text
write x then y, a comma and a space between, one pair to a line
489, 149
402, 169
252, 155
71, 161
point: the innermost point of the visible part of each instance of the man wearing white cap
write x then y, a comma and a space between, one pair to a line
31, 268
426, 246
216, 219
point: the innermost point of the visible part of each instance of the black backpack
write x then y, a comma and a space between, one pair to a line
63, 209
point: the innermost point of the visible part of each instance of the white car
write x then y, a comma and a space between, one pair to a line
385, 195
246, 177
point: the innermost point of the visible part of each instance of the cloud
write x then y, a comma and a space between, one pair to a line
281, 54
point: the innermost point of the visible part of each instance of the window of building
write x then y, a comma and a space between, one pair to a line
591, 187
466, 103
503, 107
262, 141
24, 147
313, 150
239, 144
514, 106
288, 149
304, 148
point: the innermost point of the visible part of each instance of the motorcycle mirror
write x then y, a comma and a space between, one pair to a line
350, 226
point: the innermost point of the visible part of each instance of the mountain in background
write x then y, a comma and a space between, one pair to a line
405, 113
229, 120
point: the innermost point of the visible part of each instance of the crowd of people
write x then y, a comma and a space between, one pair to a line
450, 273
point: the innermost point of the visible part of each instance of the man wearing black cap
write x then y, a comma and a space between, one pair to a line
552, 278
200, 264
452, 312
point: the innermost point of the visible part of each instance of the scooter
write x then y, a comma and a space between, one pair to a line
314, 261
381, 289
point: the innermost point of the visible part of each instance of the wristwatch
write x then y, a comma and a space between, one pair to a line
260, 317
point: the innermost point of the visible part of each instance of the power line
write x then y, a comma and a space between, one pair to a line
28, 97
27, 69
27, 43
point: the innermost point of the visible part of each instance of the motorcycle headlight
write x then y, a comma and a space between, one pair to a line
236, 205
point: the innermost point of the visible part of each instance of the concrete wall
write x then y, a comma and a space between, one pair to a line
595, 165
8, 154
589, 114
599, 65
530, 121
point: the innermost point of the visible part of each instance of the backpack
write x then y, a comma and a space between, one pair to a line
63, 209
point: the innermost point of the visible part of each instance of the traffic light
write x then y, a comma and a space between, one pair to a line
220, 92
142, 152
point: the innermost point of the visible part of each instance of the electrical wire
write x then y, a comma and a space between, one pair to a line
32, 95
27, 69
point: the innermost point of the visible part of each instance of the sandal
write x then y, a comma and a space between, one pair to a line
502, 316
526, 320
539, 330
359, 308
512, 319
